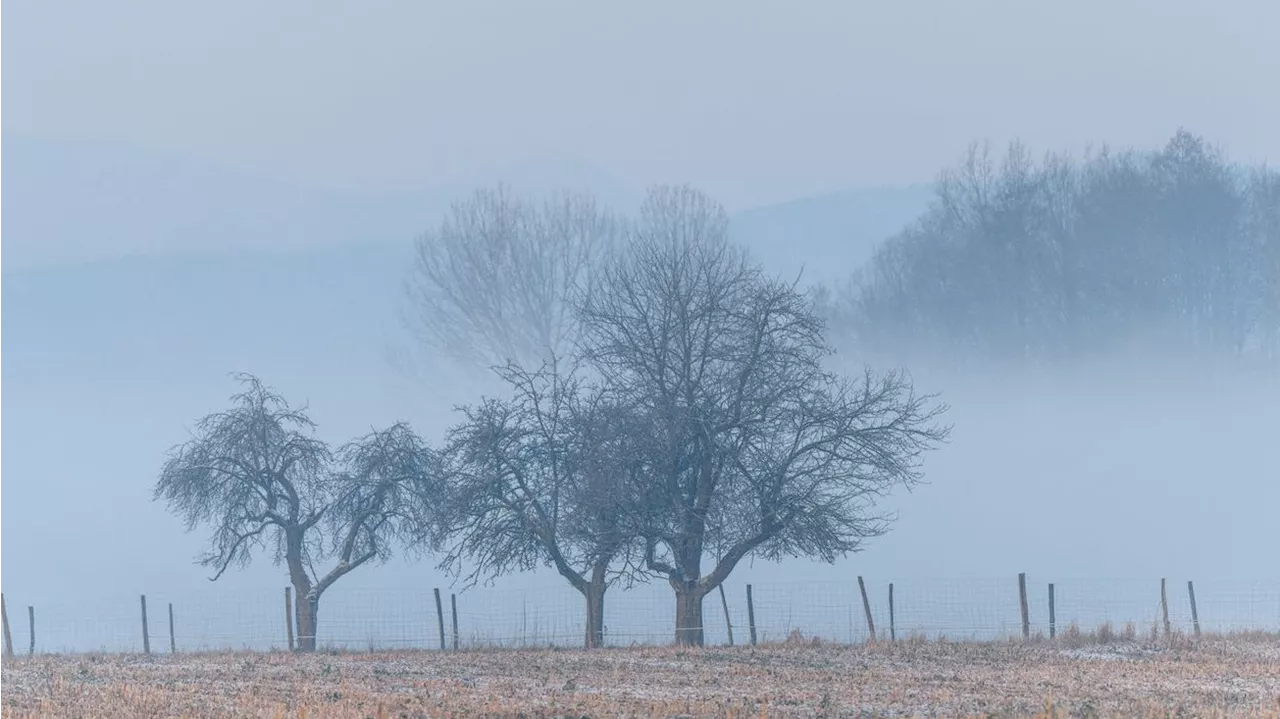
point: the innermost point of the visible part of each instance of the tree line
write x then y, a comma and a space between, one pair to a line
1177, 249
669, 410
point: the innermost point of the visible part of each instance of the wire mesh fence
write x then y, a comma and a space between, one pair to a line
363, 618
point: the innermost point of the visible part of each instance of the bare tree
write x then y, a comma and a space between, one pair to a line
545, 478
258, 475
754, 447
490, 284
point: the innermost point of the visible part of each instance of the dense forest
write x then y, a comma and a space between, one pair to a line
1176, 250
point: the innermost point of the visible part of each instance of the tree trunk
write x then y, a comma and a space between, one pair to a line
305, 608
688, 617
594, 593
595, 615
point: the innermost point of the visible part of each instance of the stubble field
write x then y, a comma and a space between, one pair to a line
1220, 676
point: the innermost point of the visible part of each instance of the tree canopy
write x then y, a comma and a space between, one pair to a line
258, 476
545, 477
753, 446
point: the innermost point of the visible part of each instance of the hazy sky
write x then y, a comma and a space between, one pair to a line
753, 101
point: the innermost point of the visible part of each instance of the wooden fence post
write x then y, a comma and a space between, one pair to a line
313, 603
1053, 622
31, 619
288, 615
1164, 607
751, 616
893, 634
173, 642
1022, 601
440, 617
866, 608
453, 608
146, 636
8, 636
725, 603
1195, 616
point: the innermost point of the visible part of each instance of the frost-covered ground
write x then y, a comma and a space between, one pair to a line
1236, 676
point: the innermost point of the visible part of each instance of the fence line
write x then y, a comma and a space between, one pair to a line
363, 618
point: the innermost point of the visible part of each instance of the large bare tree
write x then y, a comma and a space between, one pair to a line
546, 477
754, 447
260, 478
491, 284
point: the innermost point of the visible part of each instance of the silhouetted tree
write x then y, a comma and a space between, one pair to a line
545, 477
260, 478
752, 446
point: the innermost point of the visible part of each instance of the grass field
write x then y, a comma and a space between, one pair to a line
1076, 676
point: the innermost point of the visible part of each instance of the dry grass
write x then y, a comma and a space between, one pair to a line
1102, 674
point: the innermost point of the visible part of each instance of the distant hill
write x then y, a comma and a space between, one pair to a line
68, 202
74, 201
112, 249
292, 301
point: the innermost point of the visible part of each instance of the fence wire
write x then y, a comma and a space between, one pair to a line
363, 618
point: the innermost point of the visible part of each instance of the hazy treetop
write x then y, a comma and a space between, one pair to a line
751, 101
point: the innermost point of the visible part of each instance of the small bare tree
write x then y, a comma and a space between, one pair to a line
258, 475
491, 284
546, 477
754, 447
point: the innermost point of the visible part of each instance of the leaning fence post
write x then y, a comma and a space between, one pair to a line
453, 608
893, 634
1022, 600
751, 616
1195, 617
1164, 607
727, 624
173, 642
31, 619
1053, 622
440, 617
146, 637
866, 608
8, 636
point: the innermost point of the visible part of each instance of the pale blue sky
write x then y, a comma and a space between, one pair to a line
756, 101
